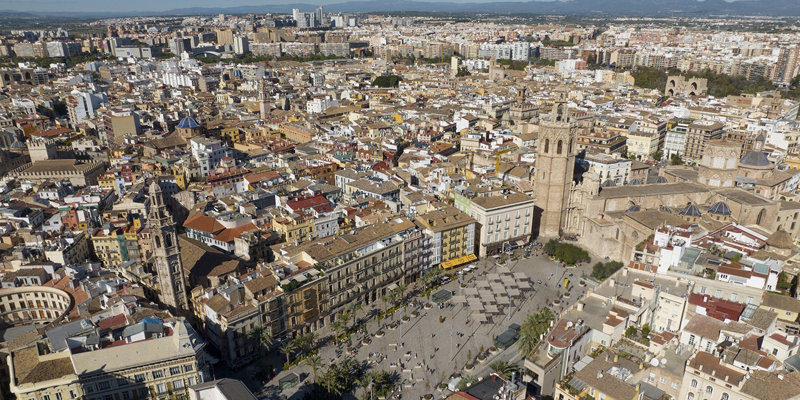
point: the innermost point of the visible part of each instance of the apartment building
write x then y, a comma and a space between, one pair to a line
453, 236
362, 264
150, 359
116, 246
698, 133
504, 221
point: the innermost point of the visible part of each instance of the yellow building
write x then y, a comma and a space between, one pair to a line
453, 235
787, 308
293, 228
116, 246
231, 135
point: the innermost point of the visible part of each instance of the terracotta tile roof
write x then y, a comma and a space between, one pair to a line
204, 223
228, 235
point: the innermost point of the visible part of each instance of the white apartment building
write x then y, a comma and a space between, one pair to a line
675, 140
319, 105
610, 168
504, 221
669, 314
208, 152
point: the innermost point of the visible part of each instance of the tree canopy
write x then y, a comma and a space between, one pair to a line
603, 270
387, 81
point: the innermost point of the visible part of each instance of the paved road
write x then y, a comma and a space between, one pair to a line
419, 352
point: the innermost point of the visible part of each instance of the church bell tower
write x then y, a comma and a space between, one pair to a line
555, 164
166, 254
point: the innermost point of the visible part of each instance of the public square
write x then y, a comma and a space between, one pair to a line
418, 353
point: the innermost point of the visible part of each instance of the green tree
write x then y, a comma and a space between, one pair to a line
287, 349
657, 155
676, 159
645, 330
630, 332
354, 308
260, 338
387, 81
550, 247
795, 81
504, 369
466, 381
314, 362
534, 326
462, 72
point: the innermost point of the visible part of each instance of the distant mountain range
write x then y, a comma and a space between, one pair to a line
686, 8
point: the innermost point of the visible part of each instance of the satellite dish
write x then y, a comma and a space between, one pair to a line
654, 362
663, 361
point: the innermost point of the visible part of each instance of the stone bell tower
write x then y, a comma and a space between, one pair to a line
166, 254
555, 164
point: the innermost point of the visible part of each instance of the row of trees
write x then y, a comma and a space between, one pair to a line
602, 270
334, 381
533, 329
569, 253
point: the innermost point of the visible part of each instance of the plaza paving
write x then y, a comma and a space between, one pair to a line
419, 351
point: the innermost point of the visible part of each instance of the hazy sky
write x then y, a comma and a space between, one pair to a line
161, 5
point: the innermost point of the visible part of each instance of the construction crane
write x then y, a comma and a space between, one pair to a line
496, 156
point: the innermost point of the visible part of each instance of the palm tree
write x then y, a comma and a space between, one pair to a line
401, 288
287, 349
260, 337
313, 362
467, 380
534, 326
385, 300
504, 369
354, 308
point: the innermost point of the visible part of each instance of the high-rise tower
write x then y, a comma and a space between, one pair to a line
555, 164
166, 254
263, 100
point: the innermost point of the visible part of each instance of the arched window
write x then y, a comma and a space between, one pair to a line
158, 242
560, 146
547, 145
694, 383
690, 396
709, 389
725, 396
760, 216
168, 240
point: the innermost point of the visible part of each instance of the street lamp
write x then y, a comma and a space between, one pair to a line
451, 343
371, 384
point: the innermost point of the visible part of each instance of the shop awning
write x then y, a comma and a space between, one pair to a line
458, 261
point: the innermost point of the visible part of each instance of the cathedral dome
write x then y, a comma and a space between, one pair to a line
780, 239
720, 208
690, 210
635, 182
608, 183
188, 123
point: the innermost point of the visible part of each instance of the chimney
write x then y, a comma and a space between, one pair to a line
616, 358
624, 272
700, 367
579, 306
612, 282
641, 366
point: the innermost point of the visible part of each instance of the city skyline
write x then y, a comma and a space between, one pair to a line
152, 7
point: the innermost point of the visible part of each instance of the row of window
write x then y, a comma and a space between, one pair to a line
58, 396
138, 378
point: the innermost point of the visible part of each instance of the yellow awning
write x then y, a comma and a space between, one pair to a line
458, 261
